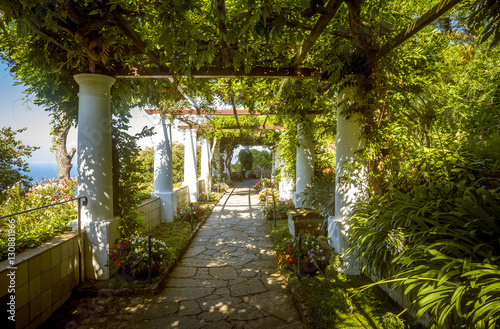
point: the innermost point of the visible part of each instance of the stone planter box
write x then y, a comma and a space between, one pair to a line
305, 221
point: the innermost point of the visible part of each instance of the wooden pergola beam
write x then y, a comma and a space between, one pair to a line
319, 27
217, 72
194, 112
221, 112
234, 127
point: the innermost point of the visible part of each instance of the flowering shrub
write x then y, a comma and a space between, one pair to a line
314, 249
185, 212
212, 196
264, 183
37, 227
281, 209
328, 170
220, 187
131, 256
268, 192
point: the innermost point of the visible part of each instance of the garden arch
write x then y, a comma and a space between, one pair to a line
105, 39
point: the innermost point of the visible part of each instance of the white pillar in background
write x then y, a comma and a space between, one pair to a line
190, 176
216, 169
286, 182
346, 194
305, 160
163, 171
205, 163
95, 172
247, 149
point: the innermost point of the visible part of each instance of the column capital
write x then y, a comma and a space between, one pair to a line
94, 83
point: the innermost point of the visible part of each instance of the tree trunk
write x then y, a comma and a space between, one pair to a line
63, 158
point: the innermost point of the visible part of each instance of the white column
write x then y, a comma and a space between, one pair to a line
95, 171
205, 163
163, 174
346, 194
216, 169
190, 177
305, 160
286, 182
247, 149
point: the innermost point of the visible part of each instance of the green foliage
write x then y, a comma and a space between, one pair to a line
320, 195
132, 256
36, 227
328, 297
199, 211
438, 237
313, 249
269, 194
212, 196
282, 207
12, 164
145, 165
261, 159
220, 188
178, 162
126, 184
245, 158
264, 183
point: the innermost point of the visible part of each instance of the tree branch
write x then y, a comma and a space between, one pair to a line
416, 26
231, 95
221, 21
319, 27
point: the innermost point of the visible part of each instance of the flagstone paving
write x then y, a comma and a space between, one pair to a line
226, 279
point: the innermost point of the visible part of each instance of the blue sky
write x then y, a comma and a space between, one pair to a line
17, 111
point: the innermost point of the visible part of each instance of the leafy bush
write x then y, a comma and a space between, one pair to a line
220, 188
441, 242
184, 213
268, 193
145, 191
212, 196
320, 195
264, 183
131, 256
37, 227
282, 207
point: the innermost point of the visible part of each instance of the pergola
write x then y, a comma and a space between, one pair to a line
98, 42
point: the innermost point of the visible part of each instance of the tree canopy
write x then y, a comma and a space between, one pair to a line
13, 165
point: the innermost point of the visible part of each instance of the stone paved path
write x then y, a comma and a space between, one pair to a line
226, 279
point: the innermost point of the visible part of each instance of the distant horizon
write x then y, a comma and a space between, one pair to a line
40, 170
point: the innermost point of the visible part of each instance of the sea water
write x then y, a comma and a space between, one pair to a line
47, 170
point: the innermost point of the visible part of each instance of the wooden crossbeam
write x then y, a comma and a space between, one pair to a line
217, 72
194, 112
235, 127
220, 112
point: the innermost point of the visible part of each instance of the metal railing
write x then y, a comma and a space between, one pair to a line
80, 248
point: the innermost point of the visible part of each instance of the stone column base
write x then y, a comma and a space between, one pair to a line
337, 232
193, 191
101, 238
298, 199
168, 205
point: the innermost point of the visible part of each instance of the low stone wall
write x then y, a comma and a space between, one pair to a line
201, 187
44, 279
150, 209
182, 195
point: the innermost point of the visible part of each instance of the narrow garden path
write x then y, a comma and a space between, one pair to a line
226, 279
